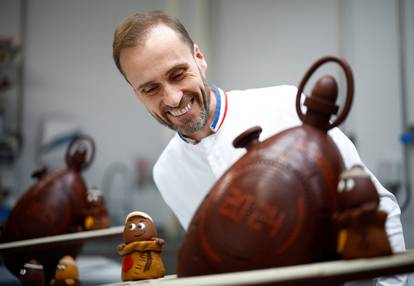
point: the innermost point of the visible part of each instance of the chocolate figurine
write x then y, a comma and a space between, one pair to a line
66, 273
54, 205
141, 252
360, 222
96, 215
32, 274
274, 206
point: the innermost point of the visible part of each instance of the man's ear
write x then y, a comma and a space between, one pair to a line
200, 59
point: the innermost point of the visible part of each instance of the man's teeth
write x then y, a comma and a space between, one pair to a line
181, 111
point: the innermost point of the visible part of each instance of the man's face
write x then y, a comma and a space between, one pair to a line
169, 80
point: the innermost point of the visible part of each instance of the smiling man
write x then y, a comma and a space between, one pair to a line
166, 71
173, 87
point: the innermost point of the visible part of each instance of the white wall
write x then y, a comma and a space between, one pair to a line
9, 20
263, 43
408, 14
371, 46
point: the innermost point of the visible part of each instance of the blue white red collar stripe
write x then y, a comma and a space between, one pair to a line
221, 109
221, 112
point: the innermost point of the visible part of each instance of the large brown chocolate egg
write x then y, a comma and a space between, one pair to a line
55, 204
274, 206
264, 212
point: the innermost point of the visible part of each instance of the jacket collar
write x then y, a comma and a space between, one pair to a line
219, 117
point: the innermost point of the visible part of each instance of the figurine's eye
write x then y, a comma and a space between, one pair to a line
132, 226
23, 272
141, 225
350, 183
61, 267
341, 186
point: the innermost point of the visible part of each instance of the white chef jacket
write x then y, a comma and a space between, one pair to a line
185, 172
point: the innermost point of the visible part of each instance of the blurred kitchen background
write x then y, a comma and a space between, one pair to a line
57, 79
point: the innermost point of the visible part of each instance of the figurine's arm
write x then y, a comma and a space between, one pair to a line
120, 247
158, 240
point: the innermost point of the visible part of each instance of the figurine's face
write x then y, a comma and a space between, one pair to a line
66, 270
169, 79
95, 199
139, 228
32, 274
355, 189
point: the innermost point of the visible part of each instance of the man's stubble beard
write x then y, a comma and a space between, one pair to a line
191, 126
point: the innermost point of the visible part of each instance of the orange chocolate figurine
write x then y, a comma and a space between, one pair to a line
96, 214
141, 252
32, 274
360, 222
66, 273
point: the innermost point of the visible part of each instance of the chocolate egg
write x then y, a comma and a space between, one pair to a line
274, 206
54, 205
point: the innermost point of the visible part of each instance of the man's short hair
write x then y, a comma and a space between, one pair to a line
132, 31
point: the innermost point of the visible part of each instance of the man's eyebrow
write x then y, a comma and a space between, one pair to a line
177, 67
144, 85
168, 73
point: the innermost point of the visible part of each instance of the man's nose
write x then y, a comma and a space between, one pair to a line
172, 96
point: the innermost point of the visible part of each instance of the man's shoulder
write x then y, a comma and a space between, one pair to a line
274, 99
287, 90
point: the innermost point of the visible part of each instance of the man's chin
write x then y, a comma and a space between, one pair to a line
189, 127
187, 131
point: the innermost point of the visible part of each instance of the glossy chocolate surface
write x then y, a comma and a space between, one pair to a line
274, 206
54, 205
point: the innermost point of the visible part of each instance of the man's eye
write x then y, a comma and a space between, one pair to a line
178, 76
149, 90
